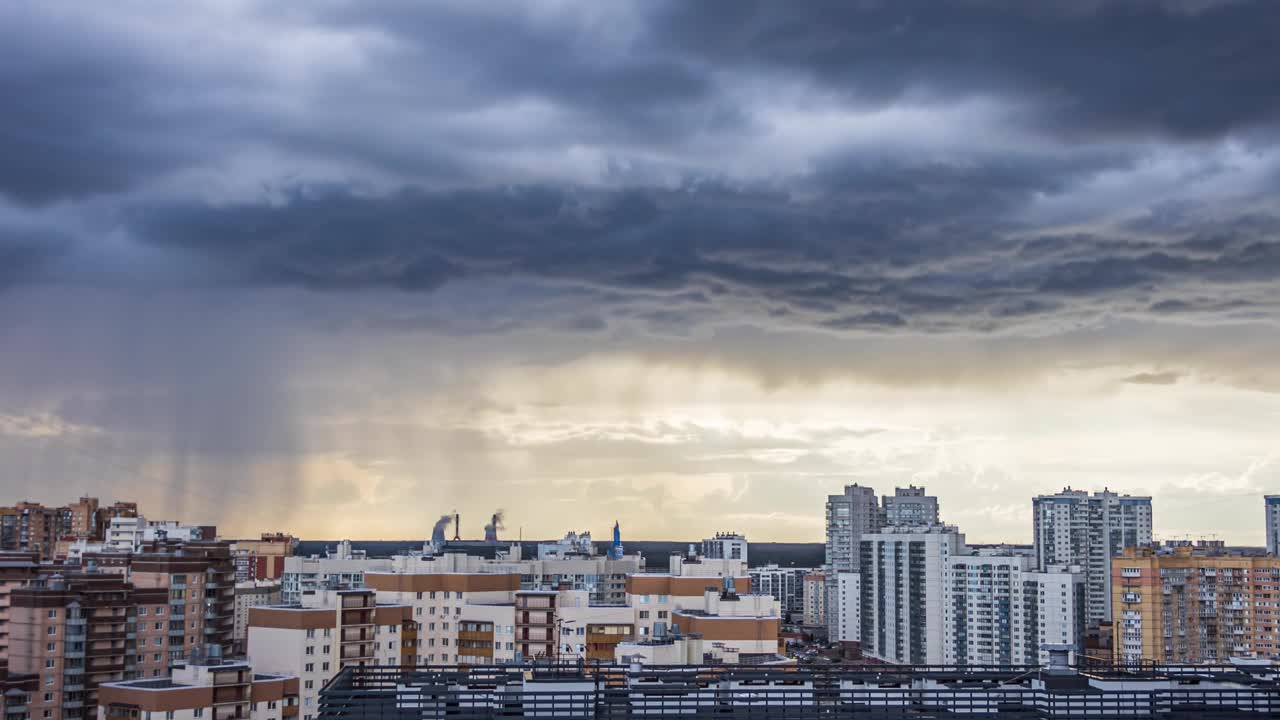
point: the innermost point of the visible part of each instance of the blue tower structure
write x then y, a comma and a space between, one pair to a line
615, 550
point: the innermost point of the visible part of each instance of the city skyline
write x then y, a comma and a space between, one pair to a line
341, 269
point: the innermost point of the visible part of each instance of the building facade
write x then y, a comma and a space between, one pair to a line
815, 599
848, 608
910, 506
247, 595
1076, 528
1195, 605
999, 610
725, 546
902, 573
1272, 504
849, 516
208, 690
336, 629
786, 585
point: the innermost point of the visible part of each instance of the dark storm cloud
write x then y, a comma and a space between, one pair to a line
1186, 69
426, 147
925, 250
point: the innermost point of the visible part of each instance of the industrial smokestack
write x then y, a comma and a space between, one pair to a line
457, 526
491, 530
437, 532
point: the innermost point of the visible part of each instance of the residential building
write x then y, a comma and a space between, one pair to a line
75, 632
250, 594
264, 558
1195, 604
903, 572
199, 581
15, 693
84, 518
440, 601
786, 585
1243, 691
848, 608
212, 689
998, 609
909, 506
815, 599
334, 629
32, 527
343, 566
1273, 524
735, 629
849, 515
16, 570
1076, 528
725, 546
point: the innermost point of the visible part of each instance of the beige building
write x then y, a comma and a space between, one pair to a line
815, 599
338, 628
16, 570
213, 690
1195, 605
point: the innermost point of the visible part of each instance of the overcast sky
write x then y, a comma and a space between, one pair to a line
337, 267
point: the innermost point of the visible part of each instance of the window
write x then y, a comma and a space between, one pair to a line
142, 611
458, 595
155, 657
309, 667
49, 664
324, 667
168, 715
311, 650
311, 634
431, 610
159, 611
326, 650
53, 630
644, 614
51, 647
433, 594
271, 705
48, 697
310, 684
198, 712
417, 611
52, 614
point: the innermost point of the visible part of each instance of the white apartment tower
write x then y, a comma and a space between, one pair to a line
1273, 524
1076, 528
902, 572
910, 506
725, 546
850, 514
999, 610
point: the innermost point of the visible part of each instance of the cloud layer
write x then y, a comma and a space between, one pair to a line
977, 194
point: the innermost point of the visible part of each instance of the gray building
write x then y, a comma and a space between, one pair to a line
849, 515
902, 575
785, 584
1076, 528
1273, 524
910, 506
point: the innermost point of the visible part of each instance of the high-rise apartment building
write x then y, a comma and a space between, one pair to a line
815, 599
1000, 610
725, 546
75, 632
849, 516
16, 570
848, 608
1076, 528
902, 577
909, 506
335, 628
1195, 605
207, 689
786, 585
1273, 524
199, 581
